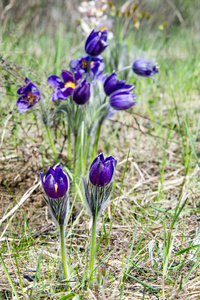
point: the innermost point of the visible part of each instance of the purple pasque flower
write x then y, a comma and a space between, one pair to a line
30, 95
102, 170
55, 183
81, 93
144, 67
122, 100
56, 187
111, 84
80, 66
63, 89
96, 42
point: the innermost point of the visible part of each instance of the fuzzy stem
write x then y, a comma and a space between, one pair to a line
86, 152
96, 141
63, 254
123, 69
69, 147
75, 151
51, 142
93, 246
88, 68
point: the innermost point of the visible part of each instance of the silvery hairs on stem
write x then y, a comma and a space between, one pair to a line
97, 190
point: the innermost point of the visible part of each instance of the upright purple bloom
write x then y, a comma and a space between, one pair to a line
81, 93
144, 67
98, 189
30, 95
102, 170
63, 89
111, 84
56, 186
55, 183
122, 100
96, 43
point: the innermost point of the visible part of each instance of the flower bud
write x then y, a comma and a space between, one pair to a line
96, 42
144, 67
102, 170
98, 189
56, 186
122, 100
81, 93
111, 84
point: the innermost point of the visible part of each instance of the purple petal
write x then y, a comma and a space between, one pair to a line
55, 81
67, 76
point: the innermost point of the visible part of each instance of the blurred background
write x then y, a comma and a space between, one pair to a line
45, 15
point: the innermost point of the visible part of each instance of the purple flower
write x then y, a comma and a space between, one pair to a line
122, 100
144, 67
111, 84
80, 67
102, 170
55, 183
56, 186
63, 89
81, 93
30, 95
96, 43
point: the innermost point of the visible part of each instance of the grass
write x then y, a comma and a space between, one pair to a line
146, 238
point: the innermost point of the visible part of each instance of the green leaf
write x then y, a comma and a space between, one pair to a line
68, 296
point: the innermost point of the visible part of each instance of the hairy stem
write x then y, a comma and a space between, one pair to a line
63, 254
51, 142
93, 246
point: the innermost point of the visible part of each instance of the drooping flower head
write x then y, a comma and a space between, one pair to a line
63, 89
96, 42
56, 186
102, 170
30, 95
120, 96
111, 84
122, 100
80, 67
144, 67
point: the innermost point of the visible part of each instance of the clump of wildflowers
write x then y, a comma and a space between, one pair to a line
30, 95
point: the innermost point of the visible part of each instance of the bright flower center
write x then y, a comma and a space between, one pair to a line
70, 84
102, 29
56, 187
31, 98
84, 64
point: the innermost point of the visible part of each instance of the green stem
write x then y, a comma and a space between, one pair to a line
86, 152
96, 141
75, 151
69, 147
93, 246
51, 142
63, 254
88, 68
